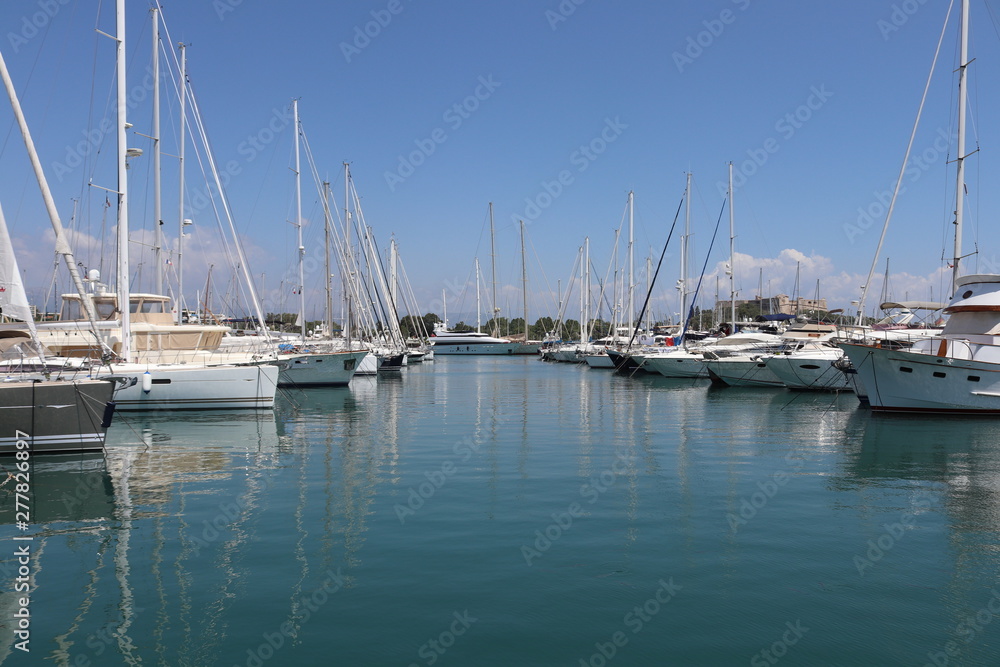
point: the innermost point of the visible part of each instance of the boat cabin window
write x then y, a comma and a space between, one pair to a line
149, 307
70, 310
105, 310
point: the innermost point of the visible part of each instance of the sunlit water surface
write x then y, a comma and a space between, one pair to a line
506, 511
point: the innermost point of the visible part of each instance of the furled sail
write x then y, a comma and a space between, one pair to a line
13, 300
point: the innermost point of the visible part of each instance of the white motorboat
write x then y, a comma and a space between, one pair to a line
750, 368
811, 367
957, 371
689, 362
469, 342
320, 369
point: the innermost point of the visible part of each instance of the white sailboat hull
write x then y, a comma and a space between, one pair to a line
368, 365
601, 360
677, 364
813, 370
195, 388
743, 372
329, 369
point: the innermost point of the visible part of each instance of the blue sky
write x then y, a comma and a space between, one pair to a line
813, 102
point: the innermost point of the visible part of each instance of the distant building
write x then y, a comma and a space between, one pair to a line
778, 304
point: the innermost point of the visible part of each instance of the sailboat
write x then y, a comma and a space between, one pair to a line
448, 342
66, 413
167, 386
304, 367
957, 371
687, 360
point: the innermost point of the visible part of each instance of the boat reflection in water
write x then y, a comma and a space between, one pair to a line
201, 536
159, 547
71, 495
110, 529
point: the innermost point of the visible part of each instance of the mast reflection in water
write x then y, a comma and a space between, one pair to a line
499, 511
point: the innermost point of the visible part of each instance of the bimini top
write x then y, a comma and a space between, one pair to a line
913, 305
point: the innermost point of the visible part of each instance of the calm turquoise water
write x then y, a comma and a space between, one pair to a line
482, 511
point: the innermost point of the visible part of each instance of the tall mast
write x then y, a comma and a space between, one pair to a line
885, 282
732, 255
157, 215
560, 310
524, 284
682, 283
393, 259
349, 273
479, 309
586, 286
649, 285
798, 296
298, 225
180, 194
493, 266
631, 262
760, 288
123, 267
328, 323
62, 245
583, 291
715, 311
960, 177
